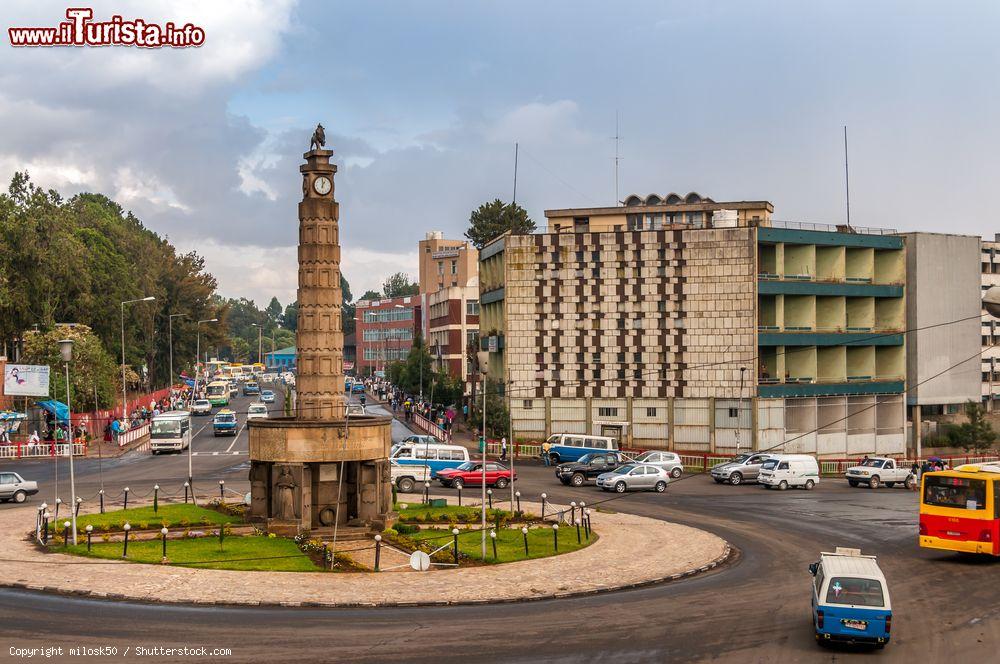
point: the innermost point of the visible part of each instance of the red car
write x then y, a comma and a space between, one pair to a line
470, 473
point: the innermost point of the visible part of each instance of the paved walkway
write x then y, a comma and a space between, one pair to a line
631, 551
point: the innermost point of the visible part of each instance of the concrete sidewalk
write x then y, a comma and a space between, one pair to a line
634, 550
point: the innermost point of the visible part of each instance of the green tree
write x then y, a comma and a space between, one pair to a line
491, 220
345, 289
497, 419
92, 368
290, 319
976, 434
399, 285
274, 312
371, 295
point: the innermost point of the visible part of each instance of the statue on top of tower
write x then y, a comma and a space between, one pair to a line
318, 138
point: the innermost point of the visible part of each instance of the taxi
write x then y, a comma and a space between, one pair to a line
224, 423
850, 599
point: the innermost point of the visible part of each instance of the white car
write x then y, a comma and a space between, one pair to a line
877, 471
14, 487
257, 411
201, 407
668, 461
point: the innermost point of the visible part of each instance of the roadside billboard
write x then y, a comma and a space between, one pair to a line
26, 380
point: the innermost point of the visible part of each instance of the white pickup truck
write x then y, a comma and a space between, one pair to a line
876, 471
407, 477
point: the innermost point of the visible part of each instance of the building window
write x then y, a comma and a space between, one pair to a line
472, 307
527, 404
661, 306
650, 412
454, 267
607, 412
440, 267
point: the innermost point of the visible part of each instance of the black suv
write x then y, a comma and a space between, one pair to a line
588, 467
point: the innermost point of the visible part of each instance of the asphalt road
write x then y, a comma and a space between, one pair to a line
755, 609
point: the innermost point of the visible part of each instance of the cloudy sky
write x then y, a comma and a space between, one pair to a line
423, 102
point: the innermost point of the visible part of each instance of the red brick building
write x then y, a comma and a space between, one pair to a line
453, 321
385, 331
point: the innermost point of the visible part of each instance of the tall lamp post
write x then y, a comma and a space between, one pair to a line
66, 350
170, 336
739, 411
260, 337
484, 367
193, 390
124, 395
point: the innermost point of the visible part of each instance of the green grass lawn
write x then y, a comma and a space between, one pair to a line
269, 553
171, 515
510, 542
451, 512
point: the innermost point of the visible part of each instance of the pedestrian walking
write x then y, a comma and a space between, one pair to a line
546, 446
503, 448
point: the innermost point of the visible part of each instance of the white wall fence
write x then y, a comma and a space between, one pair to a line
836, 427
40, 450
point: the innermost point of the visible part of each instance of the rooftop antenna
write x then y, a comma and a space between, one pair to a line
617, 138
847, 180
515, 175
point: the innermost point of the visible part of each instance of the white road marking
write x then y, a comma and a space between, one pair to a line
236, 437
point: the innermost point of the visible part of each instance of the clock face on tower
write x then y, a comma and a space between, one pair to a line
322, 185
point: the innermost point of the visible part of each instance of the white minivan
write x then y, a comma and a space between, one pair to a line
785, 470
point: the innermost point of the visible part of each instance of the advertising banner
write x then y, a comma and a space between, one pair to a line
26, 380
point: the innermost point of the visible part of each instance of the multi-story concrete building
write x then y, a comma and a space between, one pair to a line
689, 324
943, 321
445, 263
990, 331
385, 331
453, 320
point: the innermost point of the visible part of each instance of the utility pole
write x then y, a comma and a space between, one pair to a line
617, 138
514, 201
847, 180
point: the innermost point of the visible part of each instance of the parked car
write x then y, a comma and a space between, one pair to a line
408, 478
743, 468
668, 461
572, 446
634, 477
201, 407
877, 471
16, 488
471, 474
789, 470
224, 423
266, 396
850, 599
257, 411
587, 467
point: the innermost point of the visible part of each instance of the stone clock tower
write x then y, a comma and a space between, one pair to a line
320, 339
318, 470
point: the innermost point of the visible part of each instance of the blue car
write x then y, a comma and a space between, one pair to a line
358, 388
267, 396
224, 423
850, 600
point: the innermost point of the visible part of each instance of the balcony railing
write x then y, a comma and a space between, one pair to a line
831, 228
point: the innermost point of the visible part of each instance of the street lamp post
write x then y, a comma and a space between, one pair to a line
484, 363
260, 332
170, 336
739, 410
66, 350
191, 444
124, 395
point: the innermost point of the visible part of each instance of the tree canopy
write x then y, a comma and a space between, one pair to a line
493, 219
399, 285
77, 260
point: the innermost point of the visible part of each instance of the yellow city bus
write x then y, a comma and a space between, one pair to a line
960, 509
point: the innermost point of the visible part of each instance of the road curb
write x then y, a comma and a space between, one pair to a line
726, 556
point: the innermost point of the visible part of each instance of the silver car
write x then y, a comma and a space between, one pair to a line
634, 477
14, 487
668, 461
743, 468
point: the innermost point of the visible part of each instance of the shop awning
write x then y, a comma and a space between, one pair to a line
57, 408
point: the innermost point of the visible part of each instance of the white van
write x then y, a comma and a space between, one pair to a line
436, 456
572, 446
785, 470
